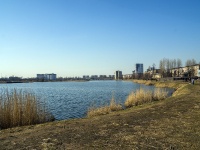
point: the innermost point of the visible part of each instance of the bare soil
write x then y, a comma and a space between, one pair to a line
173, 123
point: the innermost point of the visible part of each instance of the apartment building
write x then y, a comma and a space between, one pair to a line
187, 71
48, 77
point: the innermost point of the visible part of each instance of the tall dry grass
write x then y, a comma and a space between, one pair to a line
19, 108
113, 106
159, 94
141, 96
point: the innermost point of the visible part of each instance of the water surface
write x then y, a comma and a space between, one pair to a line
72, 99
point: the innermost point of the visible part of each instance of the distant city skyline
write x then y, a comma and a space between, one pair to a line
89, 37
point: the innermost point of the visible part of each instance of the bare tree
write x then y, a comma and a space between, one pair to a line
175, 64
189, 64
171, 64
194, 62
179, 63
167, 64
168, 67
163, 67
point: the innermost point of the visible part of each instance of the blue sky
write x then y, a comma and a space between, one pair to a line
86, 37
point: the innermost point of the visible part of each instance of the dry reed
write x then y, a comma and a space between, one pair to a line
18, 108
141, 96
114, 106
160, 94
93, 111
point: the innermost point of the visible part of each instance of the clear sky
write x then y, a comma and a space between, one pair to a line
86, 37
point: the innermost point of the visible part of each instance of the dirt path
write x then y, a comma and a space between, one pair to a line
170, 124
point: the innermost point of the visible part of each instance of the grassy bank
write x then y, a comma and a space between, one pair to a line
169, 84
170, 124
19, 108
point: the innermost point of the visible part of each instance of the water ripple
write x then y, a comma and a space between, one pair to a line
67, 100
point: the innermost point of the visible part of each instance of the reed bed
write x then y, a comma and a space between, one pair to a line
141, 96
113, 106
159, 94
19, 108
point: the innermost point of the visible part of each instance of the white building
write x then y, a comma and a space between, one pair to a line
51, 77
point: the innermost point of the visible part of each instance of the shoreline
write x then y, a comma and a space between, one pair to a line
168, 84
176, 85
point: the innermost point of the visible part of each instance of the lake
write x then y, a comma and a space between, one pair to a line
67, 100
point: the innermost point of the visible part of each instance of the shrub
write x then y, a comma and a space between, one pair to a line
19, 108
114, 106
131, 100
93, 111
98, 111
160, 94
141, 96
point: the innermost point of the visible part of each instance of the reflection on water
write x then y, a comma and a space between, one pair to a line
72, 99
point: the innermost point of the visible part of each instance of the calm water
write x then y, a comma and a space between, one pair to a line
72, 99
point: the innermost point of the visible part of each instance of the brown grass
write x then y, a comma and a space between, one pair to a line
141, 96
114, 106
18, 108
93, 111
159, 94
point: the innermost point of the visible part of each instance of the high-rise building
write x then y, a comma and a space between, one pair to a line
138, 68
118, 75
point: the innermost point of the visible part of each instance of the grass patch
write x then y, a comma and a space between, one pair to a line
19, 108
93, 111
141, 96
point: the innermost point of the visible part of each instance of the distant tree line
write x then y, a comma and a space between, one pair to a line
191, 62
167, 64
